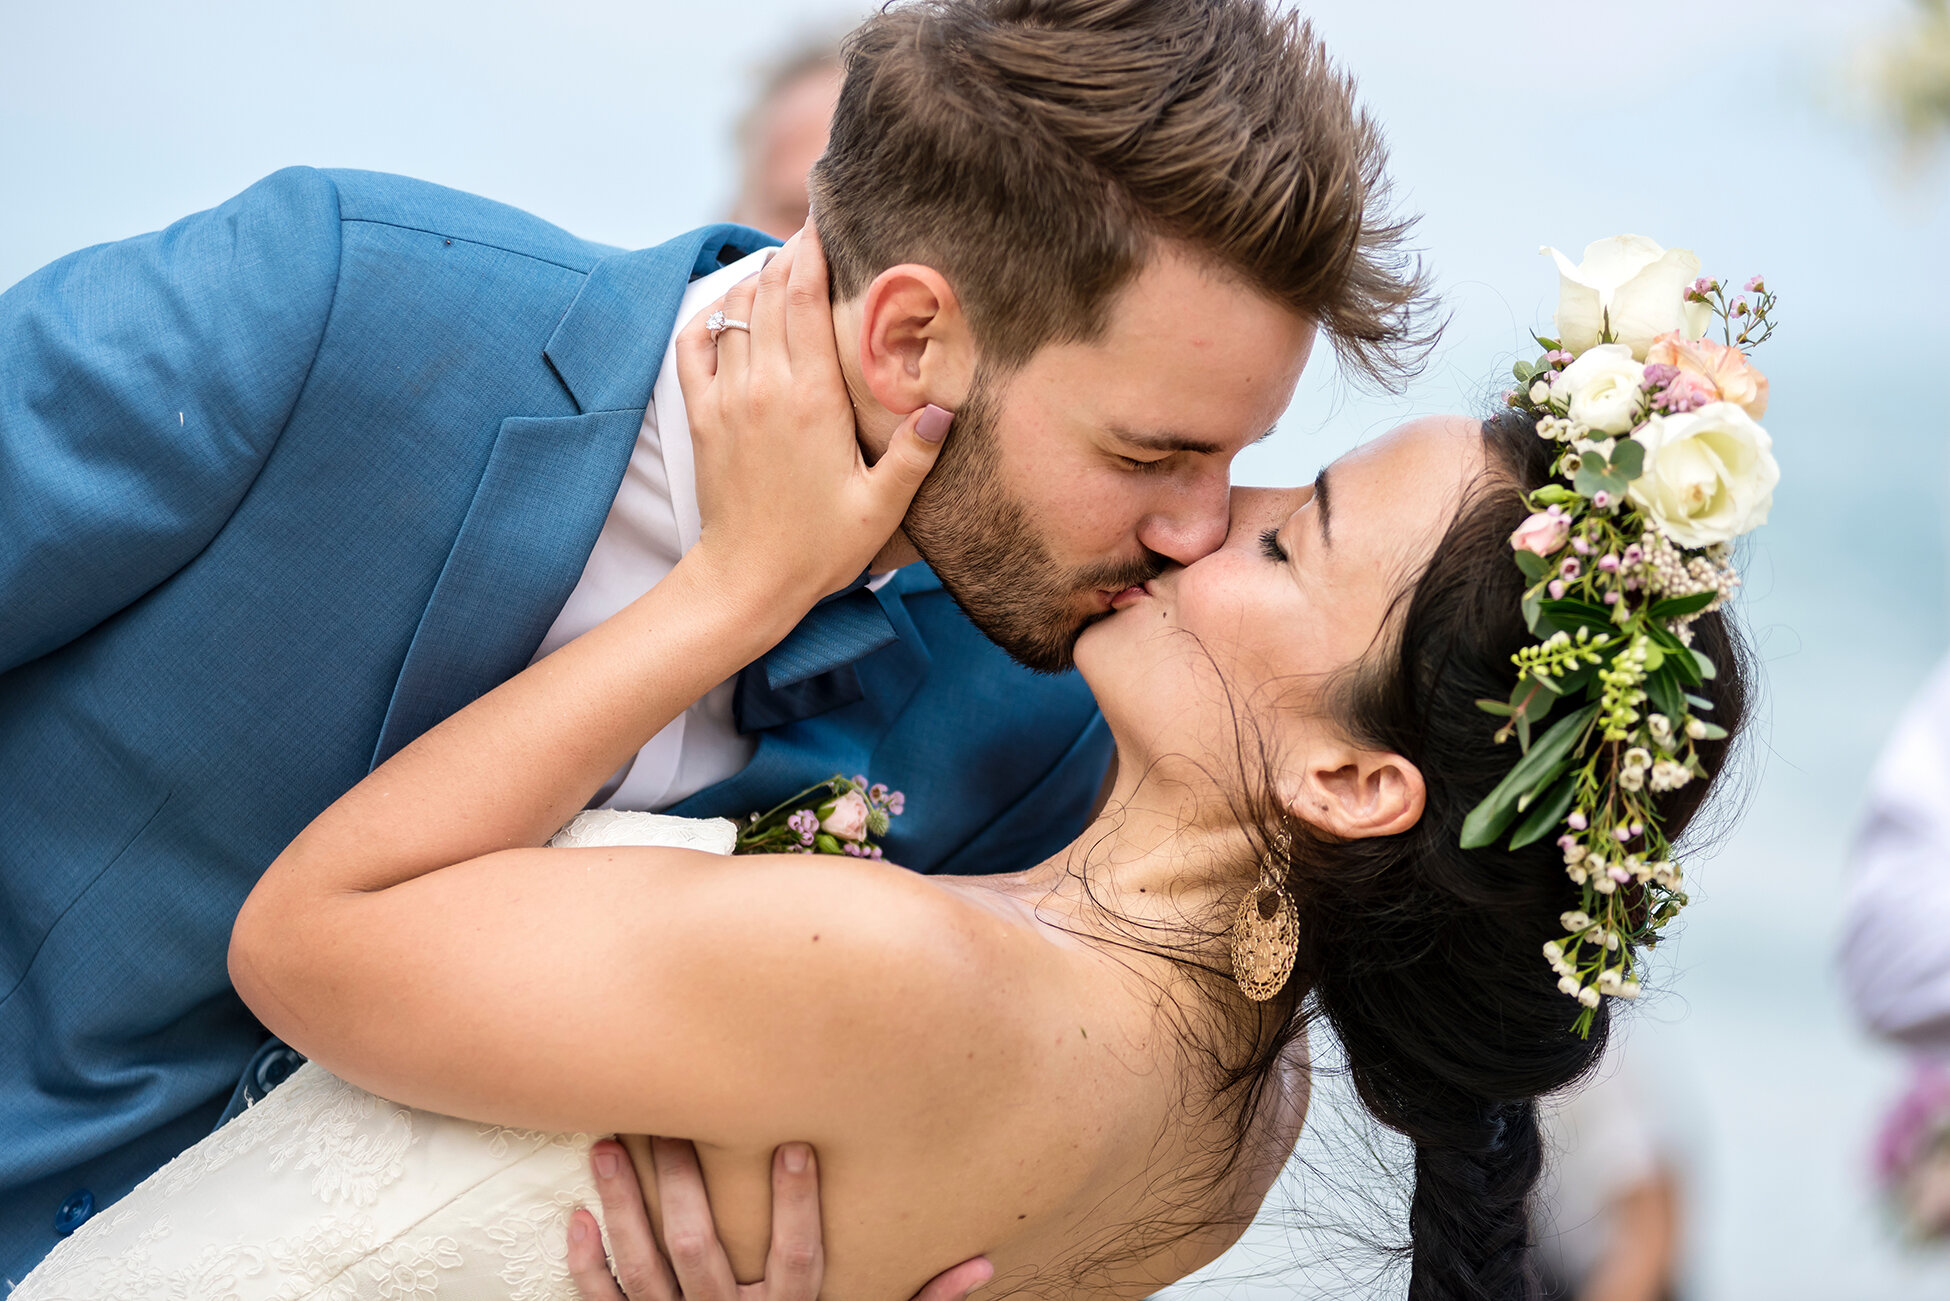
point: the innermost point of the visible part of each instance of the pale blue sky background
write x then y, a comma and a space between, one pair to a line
1725, 127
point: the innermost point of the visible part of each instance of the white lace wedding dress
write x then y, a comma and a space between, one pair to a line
323, 1192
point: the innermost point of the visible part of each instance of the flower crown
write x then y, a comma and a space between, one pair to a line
1660, 465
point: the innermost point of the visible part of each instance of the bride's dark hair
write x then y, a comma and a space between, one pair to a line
1426, 958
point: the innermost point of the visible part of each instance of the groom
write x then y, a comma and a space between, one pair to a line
287, 483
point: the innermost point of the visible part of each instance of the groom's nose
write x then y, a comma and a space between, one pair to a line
1193, 523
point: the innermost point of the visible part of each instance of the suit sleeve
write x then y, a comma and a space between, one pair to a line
142, 385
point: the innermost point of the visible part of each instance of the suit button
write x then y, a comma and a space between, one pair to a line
274, 1066
74, 1212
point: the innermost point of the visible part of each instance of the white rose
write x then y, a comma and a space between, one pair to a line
1604, 388
1709, 475
1630, 285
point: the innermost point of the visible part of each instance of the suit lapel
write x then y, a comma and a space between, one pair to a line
549, 485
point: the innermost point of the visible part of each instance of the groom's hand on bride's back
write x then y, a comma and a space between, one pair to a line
698, 1268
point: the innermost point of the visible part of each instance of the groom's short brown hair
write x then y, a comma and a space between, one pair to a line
1034, 150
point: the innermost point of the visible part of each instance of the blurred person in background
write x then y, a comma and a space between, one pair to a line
1612, 1199
1895, 953
783, 133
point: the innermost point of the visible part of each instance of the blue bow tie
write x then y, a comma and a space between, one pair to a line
811, 671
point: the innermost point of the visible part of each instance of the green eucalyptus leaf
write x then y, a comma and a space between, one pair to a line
1675, 607
1547, 682
1547, 812
1533, 565
1628, 458
1548, 345
1714, 732
1523, 370
1654, 657
1493, 816
1706, 669
1496, 707
1698, 702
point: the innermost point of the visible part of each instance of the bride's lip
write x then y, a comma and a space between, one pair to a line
1130, 596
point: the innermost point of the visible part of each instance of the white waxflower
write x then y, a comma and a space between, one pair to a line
1553, 951
1609, 981
1638, 757
1588, 996
1568, 985
1709, 475
1696, 729
1604, 389
1629, 285
1573, 921
1660, 726
1629, 990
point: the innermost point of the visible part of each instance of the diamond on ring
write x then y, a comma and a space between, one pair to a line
717, 323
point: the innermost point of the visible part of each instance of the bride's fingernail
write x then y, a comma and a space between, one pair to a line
933, 424
578, 1230
606, 1164
795, 1157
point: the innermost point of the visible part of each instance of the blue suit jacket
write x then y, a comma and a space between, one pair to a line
281, 487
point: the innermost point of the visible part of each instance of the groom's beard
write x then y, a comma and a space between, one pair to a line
985, 547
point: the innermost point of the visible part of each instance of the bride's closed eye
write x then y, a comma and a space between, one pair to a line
1269, 544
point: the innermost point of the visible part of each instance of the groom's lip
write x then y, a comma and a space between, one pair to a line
1130, 595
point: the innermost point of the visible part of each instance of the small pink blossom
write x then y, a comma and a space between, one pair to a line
1611, 598
806, 823
1556, 589
1618, 874
1608, 563
1581, 545
1576, 821
1571, 567
1601, 499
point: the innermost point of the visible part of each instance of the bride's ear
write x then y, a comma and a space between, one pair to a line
1356, 794
915, 346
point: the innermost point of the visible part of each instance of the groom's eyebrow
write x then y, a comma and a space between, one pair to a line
1167, 441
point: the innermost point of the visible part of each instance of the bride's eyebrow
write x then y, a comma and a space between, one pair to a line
1322, 508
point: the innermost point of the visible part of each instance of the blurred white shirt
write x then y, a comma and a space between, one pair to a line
1896, 933
652, 523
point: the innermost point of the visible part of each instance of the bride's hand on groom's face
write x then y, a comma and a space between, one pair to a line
698, 1268
791, 511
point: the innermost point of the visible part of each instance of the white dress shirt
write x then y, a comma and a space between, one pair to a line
1896, 935
652, 523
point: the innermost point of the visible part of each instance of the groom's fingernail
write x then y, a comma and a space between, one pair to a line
606, 1164
933, 424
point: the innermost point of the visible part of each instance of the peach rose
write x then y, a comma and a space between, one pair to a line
1725, 370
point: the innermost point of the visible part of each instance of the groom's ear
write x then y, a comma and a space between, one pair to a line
915, 346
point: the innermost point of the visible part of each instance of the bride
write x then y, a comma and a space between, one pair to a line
1057, 1066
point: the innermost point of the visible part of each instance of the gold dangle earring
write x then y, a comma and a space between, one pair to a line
1266, 933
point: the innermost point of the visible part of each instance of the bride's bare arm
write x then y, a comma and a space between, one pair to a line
414, 938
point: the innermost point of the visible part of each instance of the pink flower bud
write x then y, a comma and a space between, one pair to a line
1576, 821
845, 818
1556, 589
1618, 874
1608, 563
1541, 534
1601, 499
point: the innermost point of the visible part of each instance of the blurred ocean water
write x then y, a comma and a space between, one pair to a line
1726, 128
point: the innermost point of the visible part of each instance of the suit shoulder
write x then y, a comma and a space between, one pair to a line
384, 199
